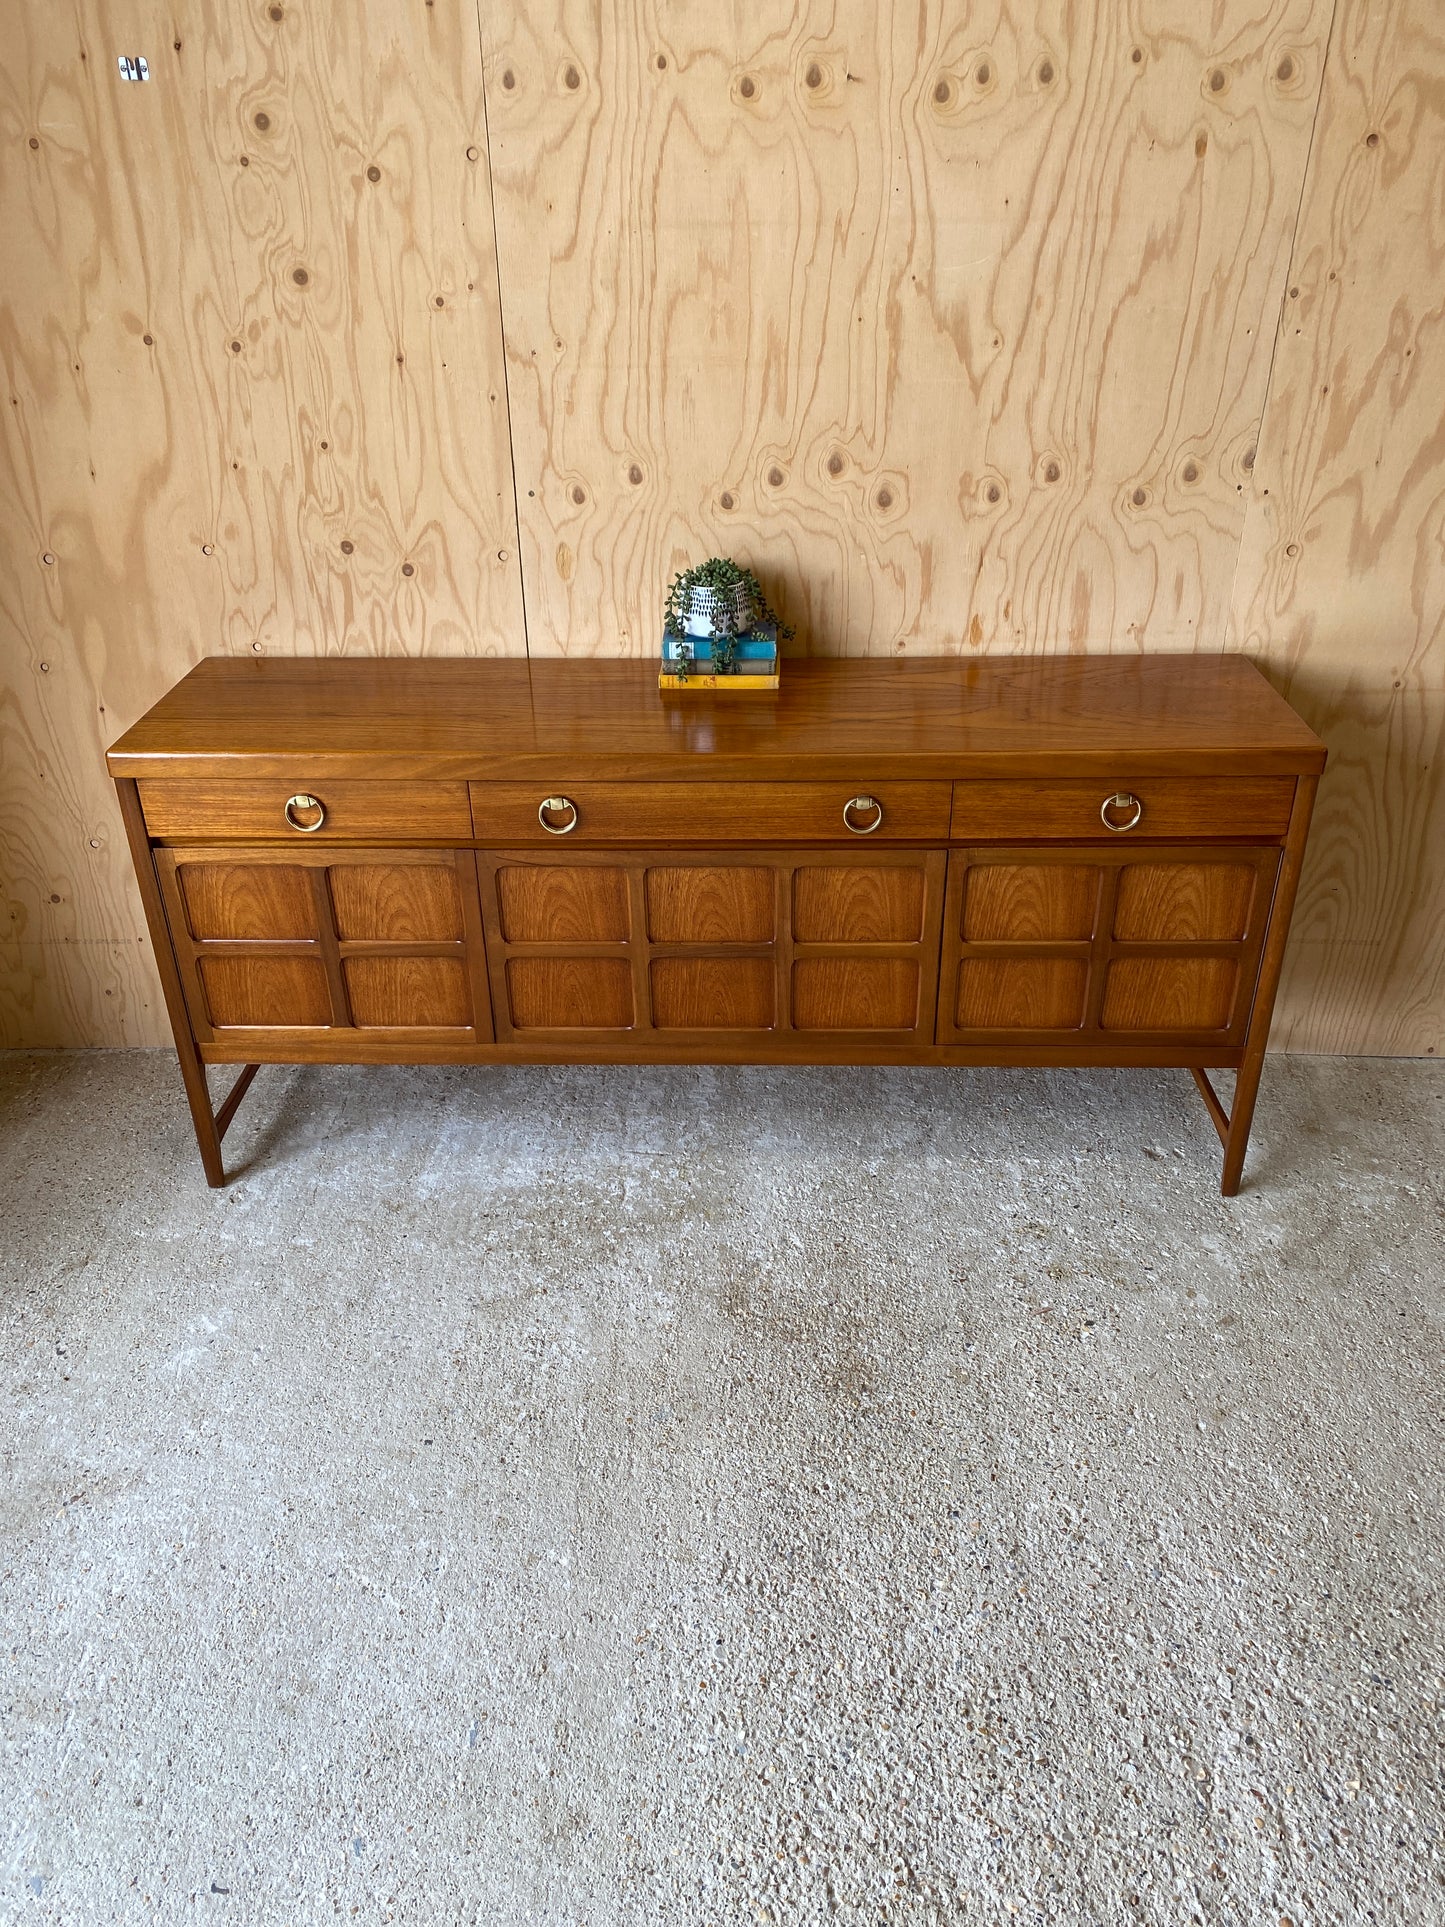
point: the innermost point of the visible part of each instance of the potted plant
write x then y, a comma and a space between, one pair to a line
717, 601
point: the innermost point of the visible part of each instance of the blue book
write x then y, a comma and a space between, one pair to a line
689, 662
755, 653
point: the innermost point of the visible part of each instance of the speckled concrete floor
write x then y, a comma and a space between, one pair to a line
703, 1497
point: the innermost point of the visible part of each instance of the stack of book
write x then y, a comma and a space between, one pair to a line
743, 663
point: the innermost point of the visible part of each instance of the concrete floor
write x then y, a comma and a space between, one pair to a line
708, 1497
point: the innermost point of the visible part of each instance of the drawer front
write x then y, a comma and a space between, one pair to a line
1151, 806
257, 812
511, 813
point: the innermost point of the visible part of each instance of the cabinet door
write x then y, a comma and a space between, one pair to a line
763, 950
1156, 946
379, 948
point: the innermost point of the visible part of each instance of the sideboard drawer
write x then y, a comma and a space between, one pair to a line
1153, 806
519, 813
257, 811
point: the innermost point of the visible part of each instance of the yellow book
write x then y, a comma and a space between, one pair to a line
734, 684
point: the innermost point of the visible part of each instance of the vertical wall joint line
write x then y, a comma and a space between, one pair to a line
502, 332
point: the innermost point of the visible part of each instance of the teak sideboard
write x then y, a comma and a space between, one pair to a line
1043, 860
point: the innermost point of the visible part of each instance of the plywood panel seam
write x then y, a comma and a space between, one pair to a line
502, 331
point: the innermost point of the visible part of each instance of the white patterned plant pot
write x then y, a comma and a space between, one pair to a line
711, 612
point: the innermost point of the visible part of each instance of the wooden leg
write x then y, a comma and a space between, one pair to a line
198, 1096
210, 1125
1232, 1125
1241, 1116
1234, 1129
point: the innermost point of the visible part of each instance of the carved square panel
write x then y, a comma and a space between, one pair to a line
700, 903
712, 993
396, 902
1030, 902
569, 993
241, 900
1184, 902
855, 993
407, 992
863, 904
265, 990
563, 903
1021, 993
1170, 993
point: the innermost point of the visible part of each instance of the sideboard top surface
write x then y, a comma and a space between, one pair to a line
470, 717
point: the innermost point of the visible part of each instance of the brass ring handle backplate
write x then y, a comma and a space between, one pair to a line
863, 803
554, 806
1121, 800
308, 804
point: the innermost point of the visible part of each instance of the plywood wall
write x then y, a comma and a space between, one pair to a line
973, 327
1341, 583
255, 402
955, 320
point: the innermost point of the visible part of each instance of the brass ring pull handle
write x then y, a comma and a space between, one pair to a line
863, 803
554, 806
1122, 801
310, 804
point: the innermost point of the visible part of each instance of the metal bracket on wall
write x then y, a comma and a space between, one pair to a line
133, 66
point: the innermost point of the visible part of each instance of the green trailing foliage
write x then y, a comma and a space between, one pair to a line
723, 577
